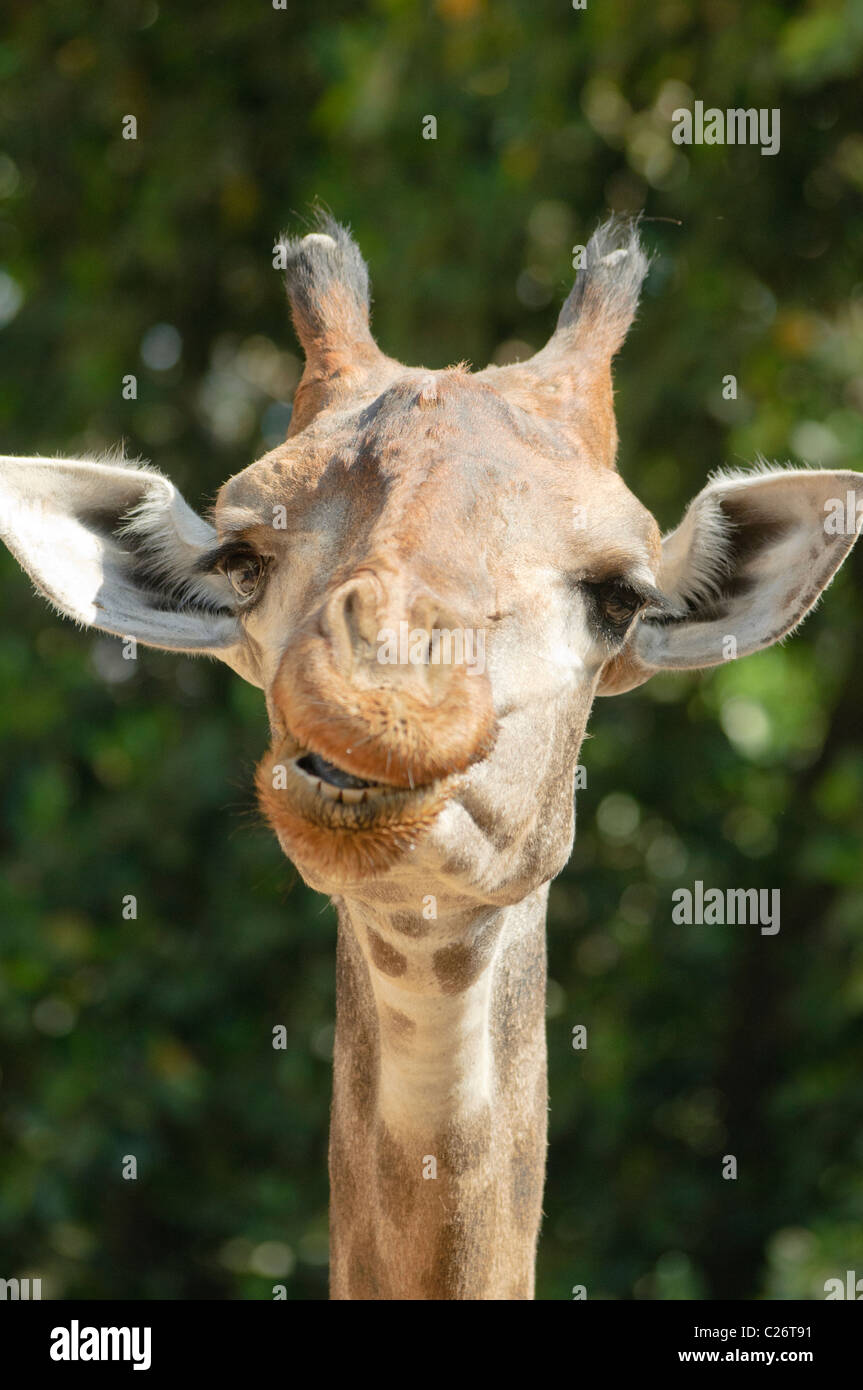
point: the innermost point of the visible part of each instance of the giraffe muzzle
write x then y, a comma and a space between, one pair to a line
380, 729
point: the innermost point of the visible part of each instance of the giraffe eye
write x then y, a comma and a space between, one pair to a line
618, 603
614, 604
244, 571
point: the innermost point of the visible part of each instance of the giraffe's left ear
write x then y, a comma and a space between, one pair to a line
115, 547
750, 558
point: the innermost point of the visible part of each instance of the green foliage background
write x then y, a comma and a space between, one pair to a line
153, 1037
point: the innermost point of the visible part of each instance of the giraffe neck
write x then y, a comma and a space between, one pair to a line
438, 1133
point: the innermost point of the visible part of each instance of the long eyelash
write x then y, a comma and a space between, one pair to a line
211, 560
662, 609
652, 598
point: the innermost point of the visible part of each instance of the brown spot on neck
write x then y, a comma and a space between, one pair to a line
410, 923
387, 959
458, 966
398, 1025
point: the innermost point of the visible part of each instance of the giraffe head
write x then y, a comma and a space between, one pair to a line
431, 579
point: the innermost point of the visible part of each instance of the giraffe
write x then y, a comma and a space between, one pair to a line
432, 796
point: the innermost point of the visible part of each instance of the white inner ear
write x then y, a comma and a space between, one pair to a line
696, 558
114, 546
749, 560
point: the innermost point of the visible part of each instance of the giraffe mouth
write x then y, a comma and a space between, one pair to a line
330, 820
338, 787
333, 795
334, 782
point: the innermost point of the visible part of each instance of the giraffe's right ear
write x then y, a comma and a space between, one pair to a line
115, 547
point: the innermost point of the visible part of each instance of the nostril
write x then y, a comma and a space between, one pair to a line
351, 618
350, 607
349, 621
